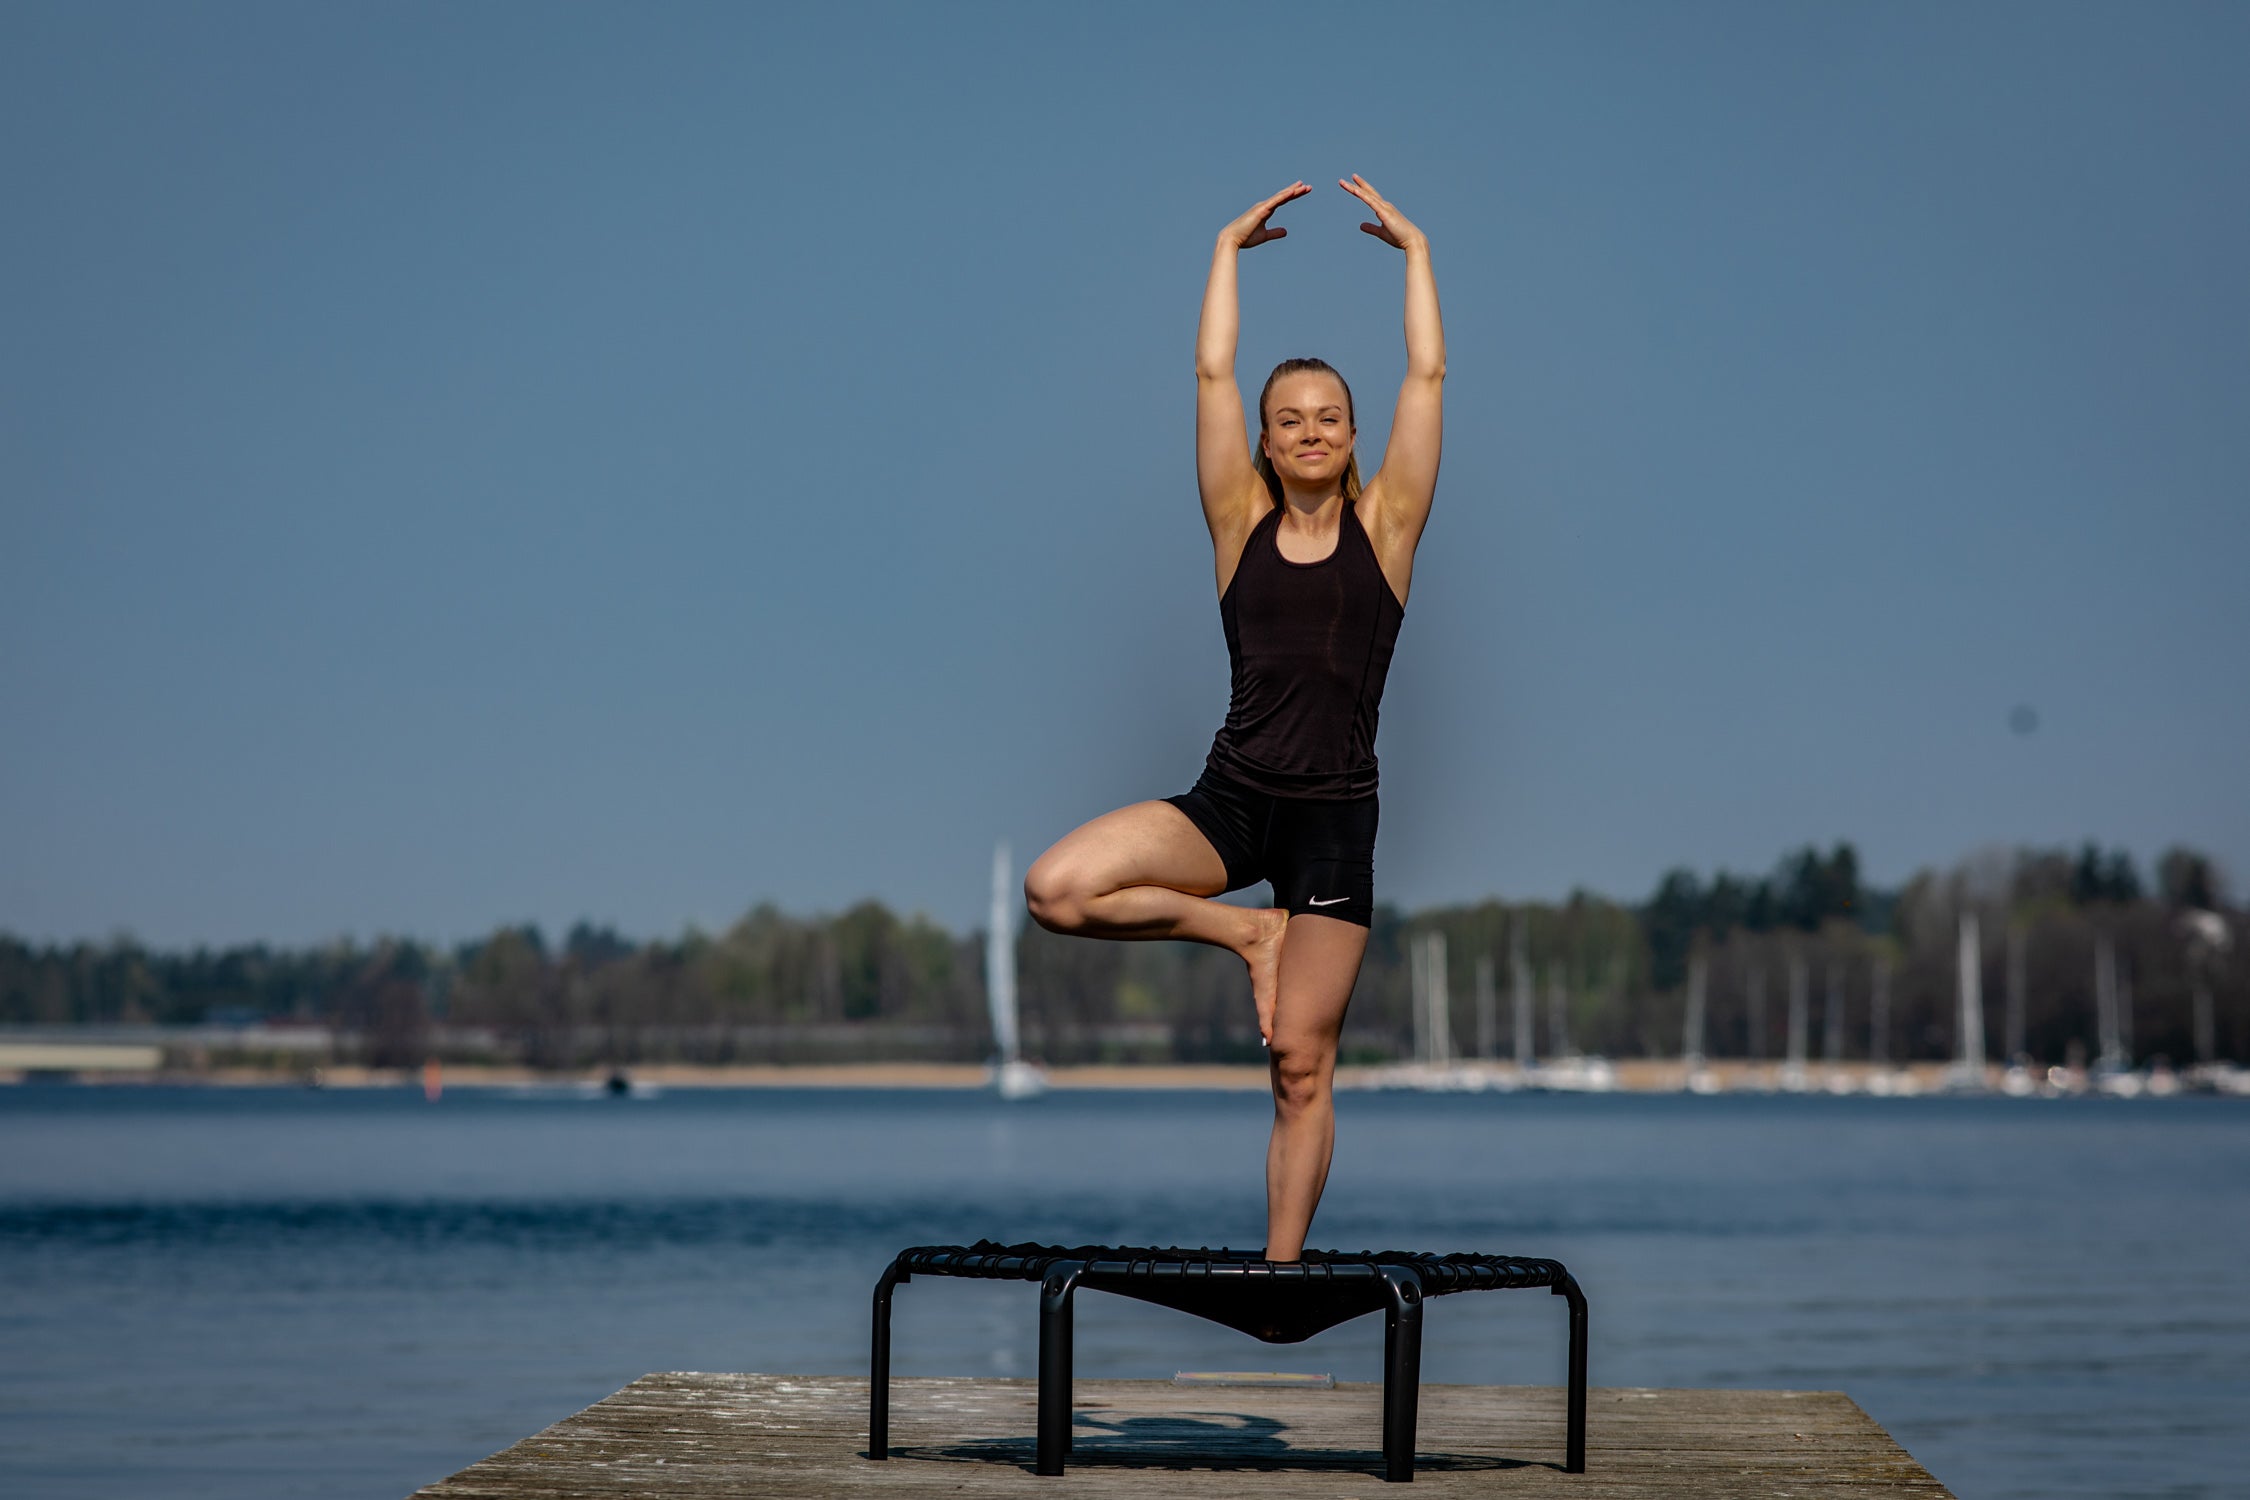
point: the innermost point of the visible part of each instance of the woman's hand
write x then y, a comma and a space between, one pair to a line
1394, 228
1252, 229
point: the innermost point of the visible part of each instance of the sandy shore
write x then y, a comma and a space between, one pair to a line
889, 1075
1630, 1075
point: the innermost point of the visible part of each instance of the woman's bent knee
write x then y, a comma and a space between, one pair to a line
1056, 901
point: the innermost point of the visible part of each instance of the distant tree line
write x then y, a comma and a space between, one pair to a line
1858, 972
1875, 974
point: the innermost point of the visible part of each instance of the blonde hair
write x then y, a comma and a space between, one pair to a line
1264, 464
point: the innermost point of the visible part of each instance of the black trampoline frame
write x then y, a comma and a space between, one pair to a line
1279, 1302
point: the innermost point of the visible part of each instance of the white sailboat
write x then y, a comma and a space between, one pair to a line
1800, 1024
1967, 1073
1519, 990
1695, 1076
1567, 1070
2112, 1072
1012, 1077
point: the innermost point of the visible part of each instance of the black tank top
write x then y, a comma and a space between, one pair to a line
1310, 645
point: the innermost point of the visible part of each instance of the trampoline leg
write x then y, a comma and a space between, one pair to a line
1574, 1457
879, 1366
1402, 1374
1055, 1296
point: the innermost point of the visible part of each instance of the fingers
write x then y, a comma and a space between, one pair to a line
1359, 188
1394, 229
1264, 210
1294, 190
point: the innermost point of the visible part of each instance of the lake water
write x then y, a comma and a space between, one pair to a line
258, 1294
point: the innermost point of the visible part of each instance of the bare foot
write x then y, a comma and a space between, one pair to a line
1263, 954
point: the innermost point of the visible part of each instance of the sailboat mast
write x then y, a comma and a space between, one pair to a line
1520, 984
1488, 1008
1000, 957
1969, 991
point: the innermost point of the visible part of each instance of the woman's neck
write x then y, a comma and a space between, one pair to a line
1311, 507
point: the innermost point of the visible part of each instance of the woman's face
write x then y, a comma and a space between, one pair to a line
1308, 435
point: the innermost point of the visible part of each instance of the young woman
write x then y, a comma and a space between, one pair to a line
1313, 570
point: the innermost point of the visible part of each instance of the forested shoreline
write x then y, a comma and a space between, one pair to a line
1876, 969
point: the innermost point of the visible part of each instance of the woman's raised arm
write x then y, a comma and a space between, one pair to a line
1224, 474
1399, 496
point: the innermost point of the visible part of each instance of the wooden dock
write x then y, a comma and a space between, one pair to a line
695, 1436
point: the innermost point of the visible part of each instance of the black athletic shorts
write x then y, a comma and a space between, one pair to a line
1320, 855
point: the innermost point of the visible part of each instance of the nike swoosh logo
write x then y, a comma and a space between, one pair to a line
1316, 901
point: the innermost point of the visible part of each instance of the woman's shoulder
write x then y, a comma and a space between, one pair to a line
1392, 557
1230, 549
1264, 512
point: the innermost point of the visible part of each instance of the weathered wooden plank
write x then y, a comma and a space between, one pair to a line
693, 1436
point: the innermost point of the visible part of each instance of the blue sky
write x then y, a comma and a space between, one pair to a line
467, 464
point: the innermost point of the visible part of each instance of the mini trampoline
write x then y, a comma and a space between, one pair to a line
1279, 1302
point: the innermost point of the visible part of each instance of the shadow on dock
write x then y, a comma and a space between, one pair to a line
1206, 1440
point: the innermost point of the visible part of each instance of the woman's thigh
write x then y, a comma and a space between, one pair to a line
1320, 958
1148, 843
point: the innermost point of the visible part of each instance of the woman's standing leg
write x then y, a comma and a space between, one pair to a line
1320, 959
